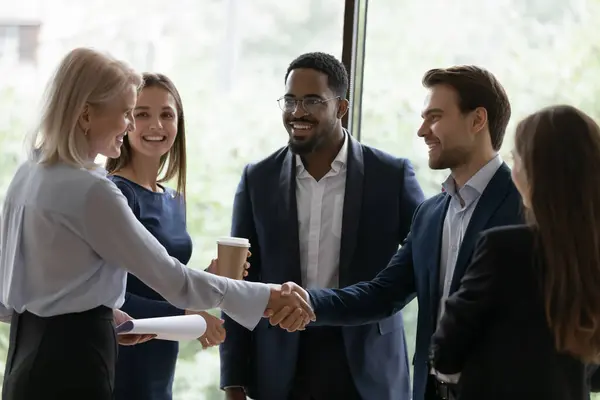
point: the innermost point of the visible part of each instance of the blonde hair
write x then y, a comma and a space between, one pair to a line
84, 77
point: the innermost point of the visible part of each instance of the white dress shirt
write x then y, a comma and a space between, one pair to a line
68, 238
320, 209
460, 210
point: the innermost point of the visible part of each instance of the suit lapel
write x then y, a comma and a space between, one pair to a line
355, 172
490, 200
288, 216
438, 217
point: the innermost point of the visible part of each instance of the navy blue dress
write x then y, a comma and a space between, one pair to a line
146, 371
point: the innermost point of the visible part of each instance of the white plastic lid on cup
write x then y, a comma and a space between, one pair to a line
233, 241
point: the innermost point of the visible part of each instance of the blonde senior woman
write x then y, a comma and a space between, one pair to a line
68, 239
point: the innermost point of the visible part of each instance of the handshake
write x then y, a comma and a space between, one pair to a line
289, 307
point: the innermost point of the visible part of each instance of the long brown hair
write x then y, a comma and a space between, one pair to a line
559, 148
175, 159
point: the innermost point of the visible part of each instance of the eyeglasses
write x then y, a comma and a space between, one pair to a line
309, 104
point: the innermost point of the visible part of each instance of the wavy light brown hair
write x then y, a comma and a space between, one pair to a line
175, 160
559, 148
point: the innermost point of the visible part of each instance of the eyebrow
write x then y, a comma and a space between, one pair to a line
430, 111
147, 108
305, 96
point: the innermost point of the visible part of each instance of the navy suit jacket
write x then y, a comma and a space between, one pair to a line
380, 198
414, 270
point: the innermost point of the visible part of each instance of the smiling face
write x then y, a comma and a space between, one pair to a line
106, 125
312, 110
447, 131
156, 121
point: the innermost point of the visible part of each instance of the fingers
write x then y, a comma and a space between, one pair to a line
212, 268
145, 338
290, 318
215, 332
130, 340
204, 342
294, 321
246, 267
213, 338
280, 315
287, 288
305, 306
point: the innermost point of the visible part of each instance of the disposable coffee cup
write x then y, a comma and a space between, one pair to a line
232, 253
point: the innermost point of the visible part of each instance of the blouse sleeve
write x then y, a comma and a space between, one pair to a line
112, 230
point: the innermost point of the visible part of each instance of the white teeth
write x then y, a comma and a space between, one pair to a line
301, 126
154, 138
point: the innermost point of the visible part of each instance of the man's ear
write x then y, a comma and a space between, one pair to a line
480, 119
343, 105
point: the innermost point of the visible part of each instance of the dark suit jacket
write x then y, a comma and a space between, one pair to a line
494, 328
414, 270
380, 198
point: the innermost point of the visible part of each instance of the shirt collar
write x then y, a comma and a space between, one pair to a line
478, 182
340, 160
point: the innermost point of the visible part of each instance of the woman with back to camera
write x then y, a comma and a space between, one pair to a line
157, 144
68, 238
525, 323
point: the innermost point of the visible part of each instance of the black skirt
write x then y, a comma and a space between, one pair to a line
70, 356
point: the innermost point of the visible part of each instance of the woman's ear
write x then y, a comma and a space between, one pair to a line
84, 120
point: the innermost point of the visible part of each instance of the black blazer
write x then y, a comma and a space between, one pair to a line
380, 198
494, 328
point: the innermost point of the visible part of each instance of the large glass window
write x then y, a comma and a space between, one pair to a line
227, 57
543, 52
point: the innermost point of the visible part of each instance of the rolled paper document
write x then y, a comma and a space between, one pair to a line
177, 328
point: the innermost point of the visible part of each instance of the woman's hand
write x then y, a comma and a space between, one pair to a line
213, 267
128, 340
215, 333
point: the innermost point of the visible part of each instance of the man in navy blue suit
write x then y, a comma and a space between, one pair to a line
324, 211
464, 121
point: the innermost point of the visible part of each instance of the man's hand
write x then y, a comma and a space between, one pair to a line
235, 393
128, 340
215, 333
213, 267
288, 307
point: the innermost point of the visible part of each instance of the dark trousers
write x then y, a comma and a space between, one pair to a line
432, 393
322, 372
70, 356
430, 389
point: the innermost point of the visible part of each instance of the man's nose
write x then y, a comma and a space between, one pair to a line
299, 110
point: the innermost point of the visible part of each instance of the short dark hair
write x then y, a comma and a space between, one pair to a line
476, 87
337, 75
